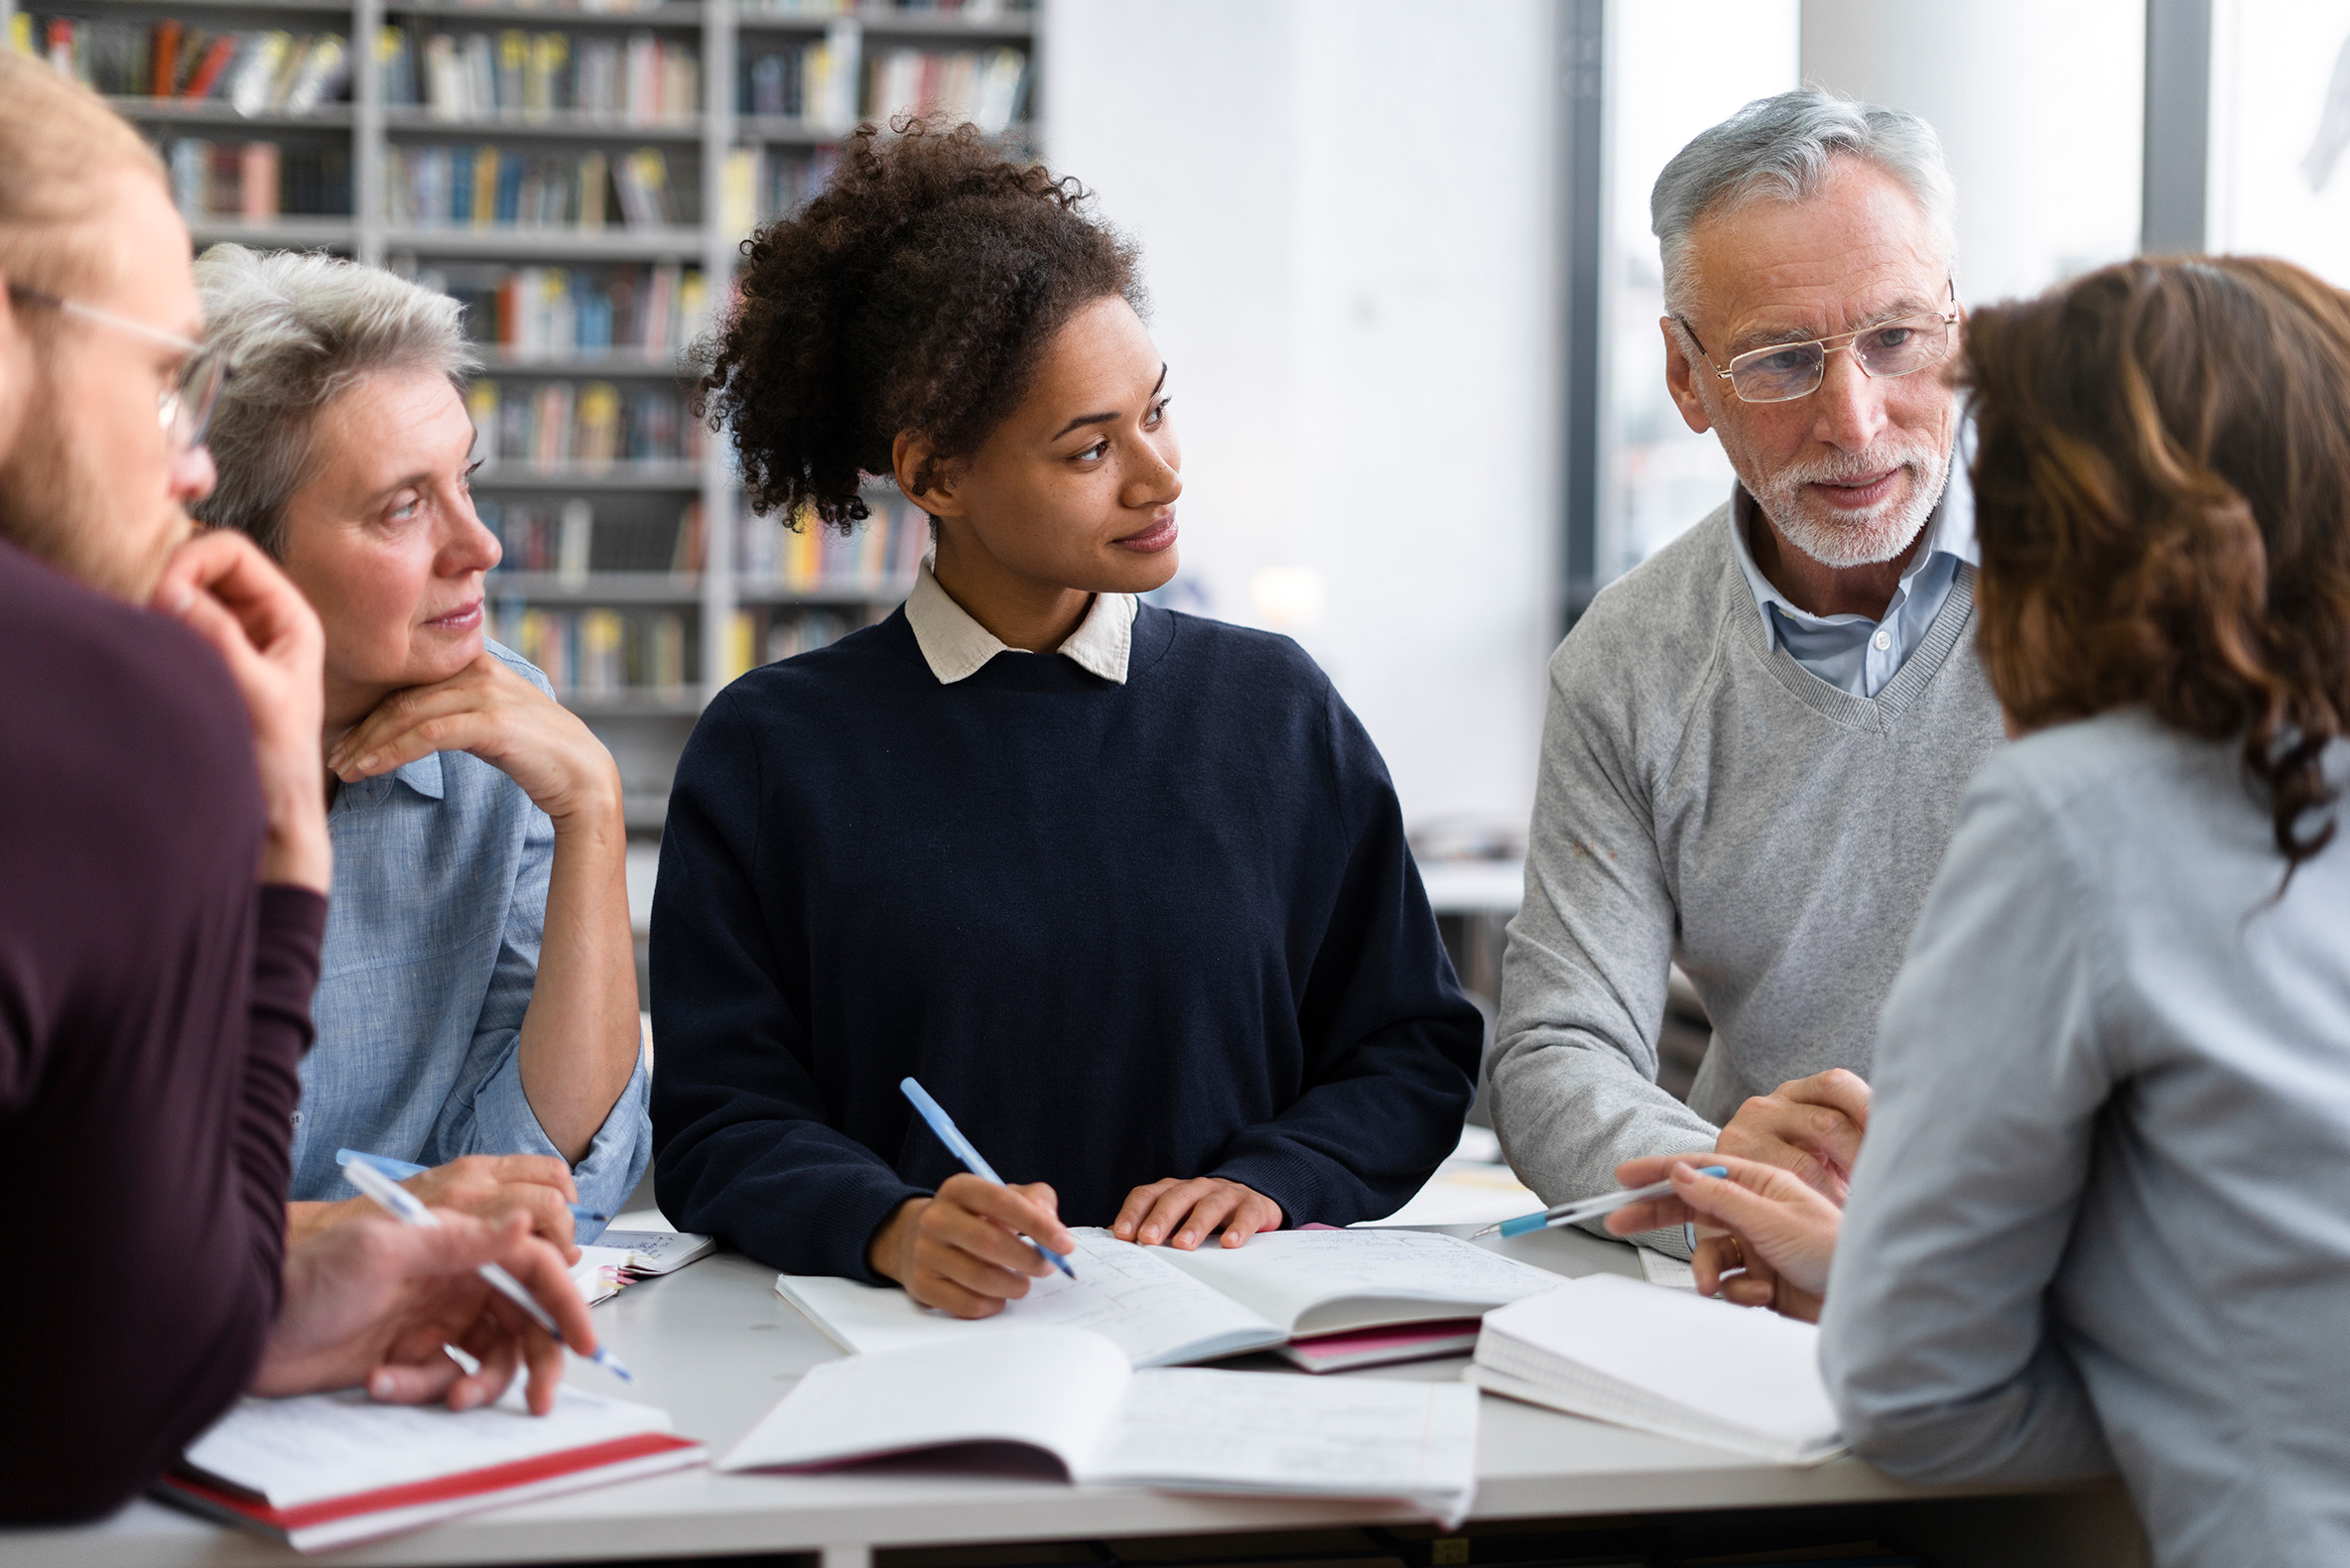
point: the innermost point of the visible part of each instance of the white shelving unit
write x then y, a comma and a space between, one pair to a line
644, 727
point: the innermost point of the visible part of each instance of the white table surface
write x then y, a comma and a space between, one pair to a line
716, 1347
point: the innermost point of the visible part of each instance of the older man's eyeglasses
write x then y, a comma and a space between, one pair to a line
1782, 372
183, 408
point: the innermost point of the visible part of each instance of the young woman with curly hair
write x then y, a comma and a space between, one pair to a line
2102, 1216
1126, 889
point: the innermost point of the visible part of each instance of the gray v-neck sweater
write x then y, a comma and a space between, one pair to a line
1705, 798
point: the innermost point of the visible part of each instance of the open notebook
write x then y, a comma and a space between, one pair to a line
1071, 1394
326, 1469
1664, 1360
1163, 1307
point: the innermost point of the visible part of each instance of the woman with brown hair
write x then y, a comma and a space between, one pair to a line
2103, 1213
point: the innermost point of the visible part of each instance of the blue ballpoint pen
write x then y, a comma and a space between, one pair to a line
959, 1146
408, 1210
401, 1170
1589, 1208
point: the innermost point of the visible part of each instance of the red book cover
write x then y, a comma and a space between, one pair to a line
388, 1511
207, 71
166, 55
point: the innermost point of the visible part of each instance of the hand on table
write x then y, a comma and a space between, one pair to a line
1184, 1213
371, 1302
229, 594
488, 1187
1811, 1126
962, 1252
1779, 1234
487, 710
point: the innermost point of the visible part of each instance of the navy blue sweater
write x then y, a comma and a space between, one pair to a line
1122, 933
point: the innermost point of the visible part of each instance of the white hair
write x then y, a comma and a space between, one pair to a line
1780, 149
302, 328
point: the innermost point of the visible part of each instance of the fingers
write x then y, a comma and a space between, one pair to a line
231, 569
541, 1271
1031, 1210
356, 757
987, 1234
419, 1383
1138, 1203
1260, 1213
1846, 1094
1184, 1213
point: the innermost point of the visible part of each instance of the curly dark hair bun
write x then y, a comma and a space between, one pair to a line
916, 293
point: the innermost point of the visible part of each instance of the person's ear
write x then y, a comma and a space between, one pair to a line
925, 480
1680, 378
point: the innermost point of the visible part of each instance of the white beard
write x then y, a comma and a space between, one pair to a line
1854, 539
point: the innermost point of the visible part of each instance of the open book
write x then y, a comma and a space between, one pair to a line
1163, 1307
1664, 1360
326, 1469
1071, 1394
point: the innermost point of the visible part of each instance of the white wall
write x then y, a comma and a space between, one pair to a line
2040, 105
1346, 213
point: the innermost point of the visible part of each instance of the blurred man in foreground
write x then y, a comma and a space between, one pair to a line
165, 860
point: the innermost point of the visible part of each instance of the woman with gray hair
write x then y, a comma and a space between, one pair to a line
476, 1008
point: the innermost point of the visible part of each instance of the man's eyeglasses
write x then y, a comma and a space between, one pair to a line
185, 406
1782, 372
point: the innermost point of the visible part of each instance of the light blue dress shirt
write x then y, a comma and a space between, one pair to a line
431, 946
1852, 652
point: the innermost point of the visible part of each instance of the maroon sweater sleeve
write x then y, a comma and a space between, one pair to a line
154, 1007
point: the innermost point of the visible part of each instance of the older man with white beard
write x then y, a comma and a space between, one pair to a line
1757, 739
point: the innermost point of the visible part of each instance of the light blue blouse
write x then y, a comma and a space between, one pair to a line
2103, 1212
431, 946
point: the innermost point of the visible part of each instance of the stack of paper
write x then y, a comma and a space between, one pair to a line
1664, 1360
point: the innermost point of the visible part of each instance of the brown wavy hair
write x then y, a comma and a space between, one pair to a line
916, 293
2162, 498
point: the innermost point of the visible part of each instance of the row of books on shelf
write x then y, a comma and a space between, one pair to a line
563, 539
486, 187
797, 82
961, 10
256, 70
763, 635
556, 425
605, 653
988, 87
760, 183
600, 653
816, 83
880, 556
642, 80
563, 313
258, 182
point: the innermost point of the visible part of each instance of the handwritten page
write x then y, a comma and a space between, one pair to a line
1354, 1437
330, 1445
1127, 1294
1289, 1274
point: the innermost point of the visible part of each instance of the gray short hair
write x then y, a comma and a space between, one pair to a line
1778, 148
302, 328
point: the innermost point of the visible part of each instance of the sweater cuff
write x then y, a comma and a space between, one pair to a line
862, 1219
1290, 1180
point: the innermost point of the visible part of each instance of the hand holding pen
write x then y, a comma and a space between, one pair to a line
372, 1303
978, 1243
405, 1207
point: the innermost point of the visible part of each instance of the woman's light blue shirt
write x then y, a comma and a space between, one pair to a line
432, 945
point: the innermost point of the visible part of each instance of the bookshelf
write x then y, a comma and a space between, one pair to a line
498, 166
